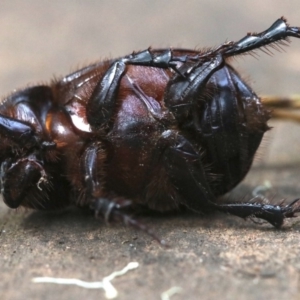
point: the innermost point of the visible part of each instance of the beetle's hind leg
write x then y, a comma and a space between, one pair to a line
274, 214
277, 33
187, 172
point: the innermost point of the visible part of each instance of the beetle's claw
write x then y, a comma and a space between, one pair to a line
290, 210
294, 31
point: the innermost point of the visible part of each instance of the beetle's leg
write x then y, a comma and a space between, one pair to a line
22, 134
274, 214
277, 32
102, 103
17, 178
34, 103
186, 171
182, 93
101, 106
17, 131
109, 207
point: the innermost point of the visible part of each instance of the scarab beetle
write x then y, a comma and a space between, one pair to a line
164, 129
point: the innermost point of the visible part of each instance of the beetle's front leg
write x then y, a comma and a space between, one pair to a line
110, 207
102, 104
32, 104
17, 131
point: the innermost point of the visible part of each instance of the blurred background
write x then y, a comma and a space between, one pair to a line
40, 39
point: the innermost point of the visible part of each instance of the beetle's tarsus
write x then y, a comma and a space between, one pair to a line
291, 209
274, 214
278, 31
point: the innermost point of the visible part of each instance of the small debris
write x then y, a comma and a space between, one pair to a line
110, 291
260, 190
170, 292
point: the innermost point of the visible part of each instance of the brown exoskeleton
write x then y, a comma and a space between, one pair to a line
166, 129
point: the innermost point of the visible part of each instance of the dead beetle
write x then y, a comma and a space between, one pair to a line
165, 128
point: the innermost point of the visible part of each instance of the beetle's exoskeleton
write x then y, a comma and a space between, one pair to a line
163, 128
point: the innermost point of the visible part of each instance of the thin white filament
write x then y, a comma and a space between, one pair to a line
110, 291
170, 292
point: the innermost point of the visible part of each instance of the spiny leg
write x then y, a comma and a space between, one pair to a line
182, 93
278, 31
187, 172
274, 214
102, 103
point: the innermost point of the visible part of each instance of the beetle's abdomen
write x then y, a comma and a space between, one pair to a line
138, 123
232, 124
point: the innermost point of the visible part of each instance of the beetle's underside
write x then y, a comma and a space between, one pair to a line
160, 128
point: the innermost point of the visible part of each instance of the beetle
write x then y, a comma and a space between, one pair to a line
160, 128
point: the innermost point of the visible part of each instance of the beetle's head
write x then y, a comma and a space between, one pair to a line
25, 146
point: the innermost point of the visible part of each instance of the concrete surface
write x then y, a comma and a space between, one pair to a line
211, 257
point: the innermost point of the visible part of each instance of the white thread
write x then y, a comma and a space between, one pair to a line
110, 291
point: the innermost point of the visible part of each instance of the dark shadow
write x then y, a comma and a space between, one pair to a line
73, 222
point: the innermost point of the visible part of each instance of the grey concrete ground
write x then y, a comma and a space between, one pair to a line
211, 257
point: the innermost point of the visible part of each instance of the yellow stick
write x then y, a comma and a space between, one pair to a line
285, 108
